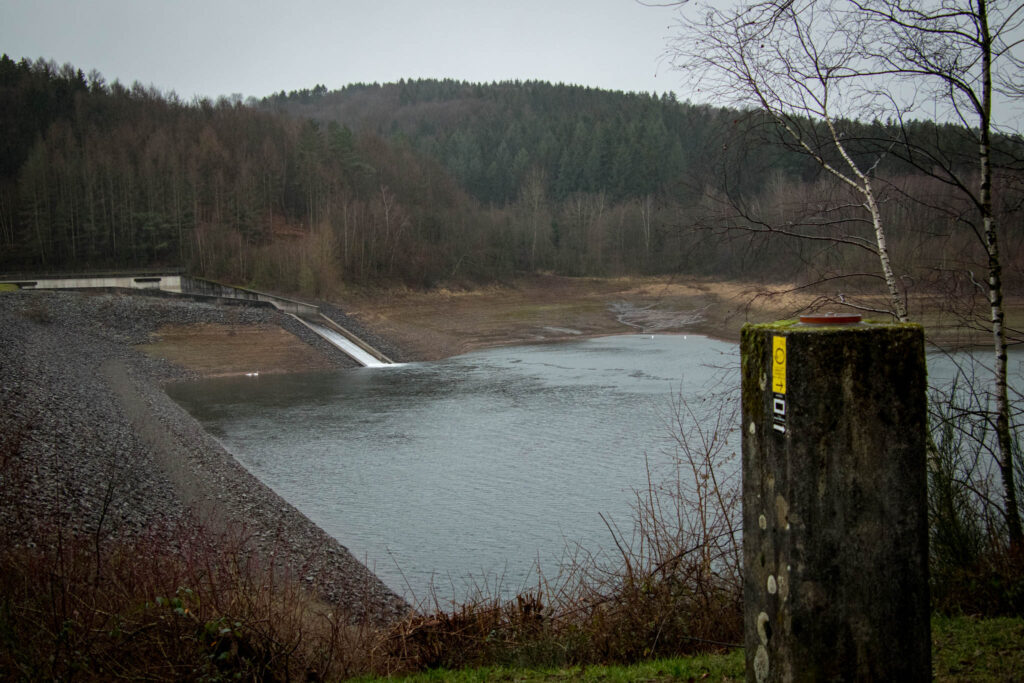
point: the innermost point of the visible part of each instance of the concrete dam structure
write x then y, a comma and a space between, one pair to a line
176, 284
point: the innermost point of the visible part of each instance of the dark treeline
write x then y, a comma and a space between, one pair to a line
99, 175
424, 182
493, 138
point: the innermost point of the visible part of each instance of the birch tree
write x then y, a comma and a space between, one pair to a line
796, 61
811, 64
960, 56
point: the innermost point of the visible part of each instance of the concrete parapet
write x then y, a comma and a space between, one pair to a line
193, 285
167, 283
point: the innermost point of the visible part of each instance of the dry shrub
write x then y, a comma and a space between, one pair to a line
974, 567
678, 586
478, 633
178, 603
674, 587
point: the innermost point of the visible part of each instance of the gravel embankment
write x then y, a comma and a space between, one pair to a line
86, 434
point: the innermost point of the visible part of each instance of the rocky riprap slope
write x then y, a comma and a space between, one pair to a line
90, 444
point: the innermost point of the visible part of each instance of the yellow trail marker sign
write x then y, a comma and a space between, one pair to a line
779, 365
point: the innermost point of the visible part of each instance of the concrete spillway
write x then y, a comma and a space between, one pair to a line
179, 285
351, 348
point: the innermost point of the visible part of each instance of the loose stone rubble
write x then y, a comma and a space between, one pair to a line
90, 443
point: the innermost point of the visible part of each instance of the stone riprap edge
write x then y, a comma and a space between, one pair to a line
94, 412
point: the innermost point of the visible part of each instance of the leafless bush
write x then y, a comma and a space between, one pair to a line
178, 602
974, 567
678, 585
674, 585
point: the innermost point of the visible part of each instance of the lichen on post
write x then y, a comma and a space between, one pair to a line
834, 502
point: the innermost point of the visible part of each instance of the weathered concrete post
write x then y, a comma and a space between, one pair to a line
834, 501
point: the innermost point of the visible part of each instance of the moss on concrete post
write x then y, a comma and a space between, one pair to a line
834, 502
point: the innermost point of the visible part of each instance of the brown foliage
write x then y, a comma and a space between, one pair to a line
175, 604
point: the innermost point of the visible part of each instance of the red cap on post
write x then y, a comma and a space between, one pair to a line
829, 319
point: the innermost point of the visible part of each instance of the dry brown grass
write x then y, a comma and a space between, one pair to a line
175, 604
541, 308
219, 349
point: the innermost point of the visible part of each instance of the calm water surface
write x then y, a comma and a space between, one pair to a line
471, 468
477, 467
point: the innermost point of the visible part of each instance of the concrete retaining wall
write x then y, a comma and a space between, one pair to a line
176, 284
167, 283
194, 285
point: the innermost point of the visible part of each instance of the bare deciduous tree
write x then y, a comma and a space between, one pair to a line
962, 55
797, 61
813, 64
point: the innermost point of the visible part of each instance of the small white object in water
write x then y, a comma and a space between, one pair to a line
253, 374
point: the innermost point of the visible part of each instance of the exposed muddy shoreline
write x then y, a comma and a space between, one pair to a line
91, 443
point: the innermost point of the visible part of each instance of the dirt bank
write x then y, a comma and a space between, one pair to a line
219, 349
545, 308
410, 326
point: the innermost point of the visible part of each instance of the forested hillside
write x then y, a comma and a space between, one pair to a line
494, 138
430, 182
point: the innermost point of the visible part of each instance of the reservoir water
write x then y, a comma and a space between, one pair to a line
472, 470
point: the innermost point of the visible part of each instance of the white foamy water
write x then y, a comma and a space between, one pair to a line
351, 348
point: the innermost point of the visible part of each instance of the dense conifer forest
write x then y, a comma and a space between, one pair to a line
444, 182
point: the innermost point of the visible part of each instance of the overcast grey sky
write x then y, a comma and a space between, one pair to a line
256, 47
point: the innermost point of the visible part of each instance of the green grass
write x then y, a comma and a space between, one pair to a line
727, 667
963, 649
553, 312
972, 649
7, 287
